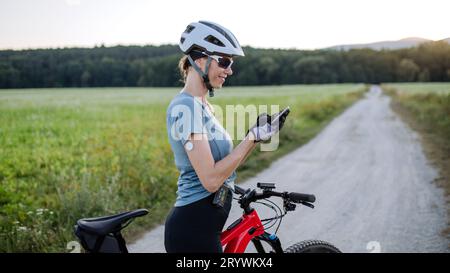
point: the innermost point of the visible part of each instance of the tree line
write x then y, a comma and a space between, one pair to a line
157, 66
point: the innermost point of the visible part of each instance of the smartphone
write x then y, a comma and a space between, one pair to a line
284, 113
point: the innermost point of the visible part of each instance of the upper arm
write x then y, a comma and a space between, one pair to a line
201, 159
188, 125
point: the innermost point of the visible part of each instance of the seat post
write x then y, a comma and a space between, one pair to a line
121, 241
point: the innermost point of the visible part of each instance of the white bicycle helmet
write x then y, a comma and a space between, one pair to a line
211, 38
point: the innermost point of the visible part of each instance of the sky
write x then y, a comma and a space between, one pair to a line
259, 23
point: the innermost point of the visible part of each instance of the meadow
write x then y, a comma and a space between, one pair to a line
82, 152
428, 103
426, 109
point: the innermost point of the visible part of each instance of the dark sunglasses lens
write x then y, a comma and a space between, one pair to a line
224, 62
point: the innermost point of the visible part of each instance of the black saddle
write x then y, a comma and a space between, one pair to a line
110, 224
102, 234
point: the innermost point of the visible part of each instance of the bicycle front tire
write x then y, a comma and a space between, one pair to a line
312, 246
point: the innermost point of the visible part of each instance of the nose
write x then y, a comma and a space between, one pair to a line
229, 71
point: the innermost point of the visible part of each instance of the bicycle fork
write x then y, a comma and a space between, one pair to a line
271, 239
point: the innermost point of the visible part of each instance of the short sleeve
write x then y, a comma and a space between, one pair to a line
187, 118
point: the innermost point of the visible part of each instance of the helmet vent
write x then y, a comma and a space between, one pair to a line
221, 31
214, 40
189, 28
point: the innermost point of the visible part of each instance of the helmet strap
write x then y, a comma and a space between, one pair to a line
204, 75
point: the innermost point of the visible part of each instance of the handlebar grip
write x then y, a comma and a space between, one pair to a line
298, 197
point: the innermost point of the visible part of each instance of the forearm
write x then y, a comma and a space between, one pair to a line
225, 167
246, 156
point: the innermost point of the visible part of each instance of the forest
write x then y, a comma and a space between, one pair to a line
157, 66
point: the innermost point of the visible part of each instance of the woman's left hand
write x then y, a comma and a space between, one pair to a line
263, 130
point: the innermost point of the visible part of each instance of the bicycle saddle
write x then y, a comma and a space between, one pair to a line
110, 224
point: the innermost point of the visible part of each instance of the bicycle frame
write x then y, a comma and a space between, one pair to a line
248, 228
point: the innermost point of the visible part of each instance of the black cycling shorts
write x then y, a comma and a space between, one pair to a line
196, 227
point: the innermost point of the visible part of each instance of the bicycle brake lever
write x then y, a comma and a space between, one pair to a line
307, 204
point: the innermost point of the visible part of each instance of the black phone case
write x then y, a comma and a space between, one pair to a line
280, 115
221, 196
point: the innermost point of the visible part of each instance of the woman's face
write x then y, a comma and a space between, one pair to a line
217, 75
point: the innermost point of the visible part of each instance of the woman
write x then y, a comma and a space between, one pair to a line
202, 148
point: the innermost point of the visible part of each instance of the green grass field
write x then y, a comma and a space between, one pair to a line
83, 152
421, 88
429, 103
426, 108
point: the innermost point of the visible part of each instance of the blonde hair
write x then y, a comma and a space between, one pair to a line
183, 66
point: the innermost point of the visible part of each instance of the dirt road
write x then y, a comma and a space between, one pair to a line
373, 184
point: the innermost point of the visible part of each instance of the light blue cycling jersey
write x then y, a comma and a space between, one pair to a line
186, 114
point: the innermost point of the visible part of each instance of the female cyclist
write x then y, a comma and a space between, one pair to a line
202, 148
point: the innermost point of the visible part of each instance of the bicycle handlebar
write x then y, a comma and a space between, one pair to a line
251, 195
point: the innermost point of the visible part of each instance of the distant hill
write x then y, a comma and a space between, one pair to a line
446, 40
403, 43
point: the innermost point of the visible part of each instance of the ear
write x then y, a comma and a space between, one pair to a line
201, 62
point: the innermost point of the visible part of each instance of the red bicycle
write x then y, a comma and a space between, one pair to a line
103, 234
250, 227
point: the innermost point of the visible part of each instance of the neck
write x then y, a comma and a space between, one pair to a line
195, 86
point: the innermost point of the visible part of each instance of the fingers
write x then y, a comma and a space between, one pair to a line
263, 119
275, 128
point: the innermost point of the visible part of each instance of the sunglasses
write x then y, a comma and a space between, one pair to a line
224, 62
